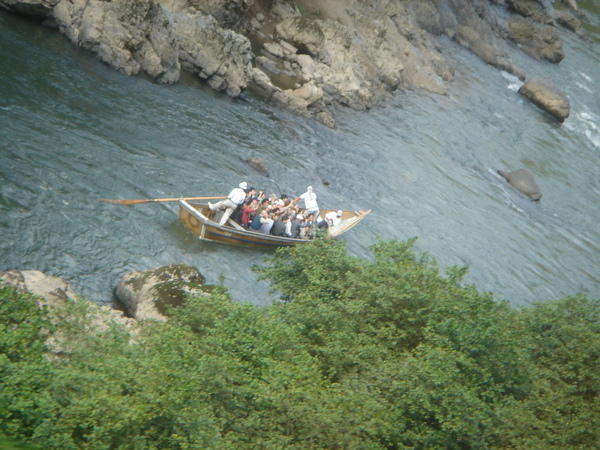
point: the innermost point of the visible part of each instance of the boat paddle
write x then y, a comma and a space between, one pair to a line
135, 202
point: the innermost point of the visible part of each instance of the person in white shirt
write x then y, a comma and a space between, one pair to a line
235, 198
310, 201
331, 219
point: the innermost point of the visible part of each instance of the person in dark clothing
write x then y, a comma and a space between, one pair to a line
297, 223
279, 226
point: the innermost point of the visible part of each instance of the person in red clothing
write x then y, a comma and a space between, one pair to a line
248, 208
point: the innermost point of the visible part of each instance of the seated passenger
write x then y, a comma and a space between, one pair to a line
256, 222
264, 203
286, 200
248, 208
279, 226
331, 219
288, 225
266, 223
296, 225
306, 230
273, 199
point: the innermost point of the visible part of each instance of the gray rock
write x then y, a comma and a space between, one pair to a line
523, 181
34, 8
222, 57
568, 20
146, 295
53, 290
546, 95
146, 36
258, 164
539, 11
538, 41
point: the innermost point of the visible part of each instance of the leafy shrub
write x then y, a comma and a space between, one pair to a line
383, 353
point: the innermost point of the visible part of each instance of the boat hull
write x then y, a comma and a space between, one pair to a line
198, 218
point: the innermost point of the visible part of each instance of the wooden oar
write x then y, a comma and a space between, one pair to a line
135, 202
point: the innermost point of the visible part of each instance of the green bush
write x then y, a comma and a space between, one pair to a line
25, 373
384, 353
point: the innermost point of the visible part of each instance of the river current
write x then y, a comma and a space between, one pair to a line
73, 130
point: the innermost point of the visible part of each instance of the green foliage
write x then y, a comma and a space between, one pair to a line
450, 364
24, 371
382, 354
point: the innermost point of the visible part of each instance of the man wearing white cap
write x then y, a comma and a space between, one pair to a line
310, 201
235, 198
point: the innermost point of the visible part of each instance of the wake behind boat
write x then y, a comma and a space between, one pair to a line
204, 223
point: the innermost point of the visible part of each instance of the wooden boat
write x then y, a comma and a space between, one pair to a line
202, 221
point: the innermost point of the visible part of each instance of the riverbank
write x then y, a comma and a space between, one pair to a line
309, 56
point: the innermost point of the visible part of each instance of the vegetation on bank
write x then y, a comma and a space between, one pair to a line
385, 353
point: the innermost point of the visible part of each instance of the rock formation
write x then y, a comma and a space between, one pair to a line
524, 181
306, 54
146, 295
543, 93
258, 164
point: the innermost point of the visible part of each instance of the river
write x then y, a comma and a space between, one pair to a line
74, 130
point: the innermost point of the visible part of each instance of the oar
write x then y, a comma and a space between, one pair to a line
135, 202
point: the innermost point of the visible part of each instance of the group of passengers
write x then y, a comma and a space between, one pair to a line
278, 216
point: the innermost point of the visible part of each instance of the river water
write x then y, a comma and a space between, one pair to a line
73, 130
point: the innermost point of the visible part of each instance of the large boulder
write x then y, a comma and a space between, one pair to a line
52, 290
524, 181
148, 294
478, 29
540, 11
537, 40
543, 93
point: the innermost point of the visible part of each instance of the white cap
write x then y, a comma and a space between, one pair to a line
309, 189
244, 185
339, 213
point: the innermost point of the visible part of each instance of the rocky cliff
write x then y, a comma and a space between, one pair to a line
309, 55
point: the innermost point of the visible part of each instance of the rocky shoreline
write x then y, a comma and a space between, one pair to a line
312, 56
139, 295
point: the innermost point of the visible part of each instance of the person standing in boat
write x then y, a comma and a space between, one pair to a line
310, 201
237, 213
235, 198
